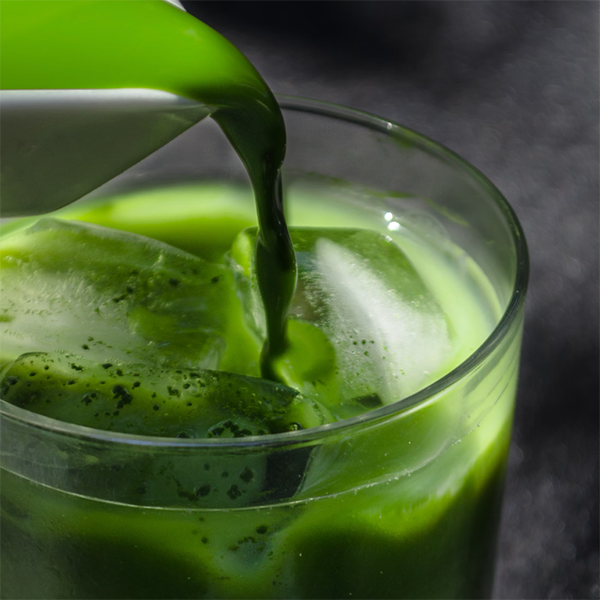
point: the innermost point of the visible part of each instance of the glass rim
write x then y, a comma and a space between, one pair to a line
372, 417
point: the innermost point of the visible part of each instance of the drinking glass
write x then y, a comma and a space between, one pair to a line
400, 502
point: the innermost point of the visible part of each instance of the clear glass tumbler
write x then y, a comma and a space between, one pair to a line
400, 502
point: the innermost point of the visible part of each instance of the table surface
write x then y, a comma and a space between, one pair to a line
513, 88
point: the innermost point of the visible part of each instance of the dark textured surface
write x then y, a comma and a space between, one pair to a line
513, 88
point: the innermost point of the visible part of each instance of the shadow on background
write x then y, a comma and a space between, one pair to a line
438, 44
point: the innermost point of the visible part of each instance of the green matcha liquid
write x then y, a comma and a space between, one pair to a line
153, 45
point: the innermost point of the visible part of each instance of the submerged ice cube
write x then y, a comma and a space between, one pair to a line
364, 329
111, 295
146, 400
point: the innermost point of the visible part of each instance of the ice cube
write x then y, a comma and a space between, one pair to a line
369, 326
117, 296
145, 400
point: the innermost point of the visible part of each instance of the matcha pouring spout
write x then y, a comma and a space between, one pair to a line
90, 88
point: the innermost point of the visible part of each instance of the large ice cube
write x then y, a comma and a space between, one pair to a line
364, 329
111, 295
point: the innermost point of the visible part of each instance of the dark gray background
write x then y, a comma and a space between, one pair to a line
513, 88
